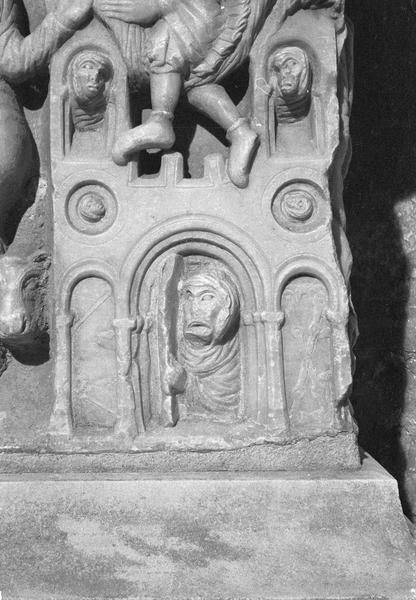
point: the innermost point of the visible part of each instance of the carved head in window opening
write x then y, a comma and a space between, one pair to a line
90, 75
211, 308
23, 283
290, 83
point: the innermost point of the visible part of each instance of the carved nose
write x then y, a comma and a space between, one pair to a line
13, 324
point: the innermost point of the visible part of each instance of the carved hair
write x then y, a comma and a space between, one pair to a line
290, 108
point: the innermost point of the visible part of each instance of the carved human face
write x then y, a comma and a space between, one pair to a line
206, 310
90, 78
289, 73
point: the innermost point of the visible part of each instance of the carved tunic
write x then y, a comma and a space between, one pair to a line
184, 35
205, 40
213, 377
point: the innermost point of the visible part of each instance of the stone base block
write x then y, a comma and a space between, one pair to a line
212, 536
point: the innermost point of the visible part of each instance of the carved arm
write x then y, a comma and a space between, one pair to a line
22, 57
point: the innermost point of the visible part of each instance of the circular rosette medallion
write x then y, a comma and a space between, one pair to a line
92, 209
298, 207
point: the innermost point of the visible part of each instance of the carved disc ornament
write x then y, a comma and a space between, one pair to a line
91, 209
298, 207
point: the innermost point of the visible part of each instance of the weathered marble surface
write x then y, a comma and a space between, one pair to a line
136, 250
284, 536
267, 358
200, 321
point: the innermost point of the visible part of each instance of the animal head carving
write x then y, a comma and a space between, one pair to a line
23, 283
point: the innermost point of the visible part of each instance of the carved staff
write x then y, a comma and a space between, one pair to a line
170, 276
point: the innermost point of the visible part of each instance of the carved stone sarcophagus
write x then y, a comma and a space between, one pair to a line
201, 295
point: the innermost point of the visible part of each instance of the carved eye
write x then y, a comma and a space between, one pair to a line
207, 297
291, 64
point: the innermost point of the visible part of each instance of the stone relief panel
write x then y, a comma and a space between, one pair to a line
89, 87
90, 111
165, 328
307, 348
293, 87
93, 358
209, 347
193, 347
187, 50
290, 87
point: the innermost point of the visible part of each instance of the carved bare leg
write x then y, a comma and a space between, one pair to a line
213, 101
157, 132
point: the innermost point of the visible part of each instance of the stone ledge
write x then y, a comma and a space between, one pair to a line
213, 536
338, 452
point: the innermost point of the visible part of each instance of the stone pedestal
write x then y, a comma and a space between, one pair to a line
209, 536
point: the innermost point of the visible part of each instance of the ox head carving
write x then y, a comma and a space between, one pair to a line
23, 286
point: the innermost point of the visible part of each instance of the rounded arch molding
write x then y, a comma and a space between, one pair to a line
304, 265
85, 270
186, 236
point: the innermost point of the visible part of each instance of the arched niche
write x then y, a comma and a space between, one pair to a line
316, 364
314, 37
85, 132
85, 352
307, 355
140, 277
299, 134
93, 357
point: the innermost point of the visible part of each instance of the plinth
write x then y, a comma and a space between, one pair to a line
269, 535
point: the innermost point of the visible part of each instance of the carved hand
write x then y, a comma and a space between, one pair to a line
73, 13
174, 378
140, 12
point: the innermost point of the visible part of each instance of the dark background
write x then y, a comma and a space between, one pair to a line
381, 209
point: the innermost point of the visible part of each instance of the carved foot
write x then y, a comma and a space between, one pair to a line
156, 134
244, 142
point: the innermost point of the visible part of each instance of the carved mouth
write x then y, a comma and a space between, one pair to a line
197, 325
288, 85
